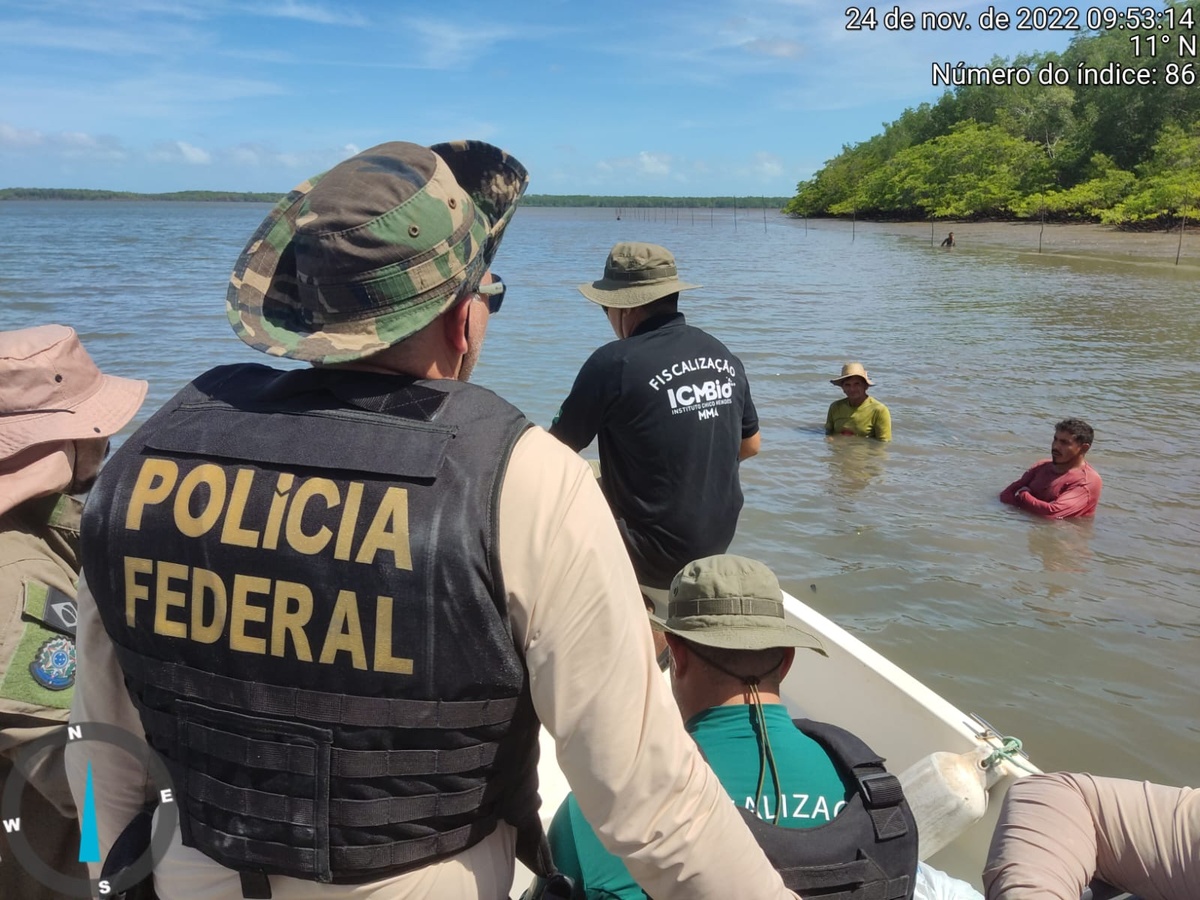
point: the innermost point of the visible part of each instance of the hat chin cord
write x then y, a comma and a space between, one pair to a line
766, 756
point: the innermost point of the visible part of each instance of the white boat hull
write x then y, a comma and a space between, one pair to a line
858, 689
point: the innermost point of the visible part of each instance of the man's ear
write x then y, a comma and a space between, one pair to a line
455, 323
789, 657
679, 653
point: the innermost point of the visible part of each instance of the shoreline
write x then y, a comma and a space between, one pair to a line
1071, 240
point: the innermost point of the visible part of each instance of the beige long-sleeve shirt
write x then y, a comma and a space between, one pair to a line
579, 617
1057, 832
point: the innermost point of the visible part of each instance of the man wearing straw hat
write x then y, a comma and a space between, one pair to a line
857, 414
672, 409
341, 598
731, 647
57, 413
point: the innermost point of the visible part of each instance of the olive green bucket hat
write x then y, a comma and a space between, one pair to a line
636, 274
372, 251
732, 602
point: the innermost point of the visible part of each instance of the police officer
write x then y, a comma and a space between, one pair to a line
338, 600
57, 412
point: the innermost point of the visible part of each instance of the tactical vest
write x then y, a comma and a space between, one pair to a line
300, 573
868, 851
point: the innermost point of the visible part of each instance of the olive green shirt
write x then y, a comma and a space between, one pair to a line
39, 560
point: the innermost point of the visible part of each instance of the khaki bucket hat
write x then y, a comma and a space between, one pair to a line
372, 251
635, 274
849, 370
51, 390
732, 602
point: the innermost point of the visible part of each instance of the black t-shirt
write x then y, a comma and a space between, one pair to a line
671, 406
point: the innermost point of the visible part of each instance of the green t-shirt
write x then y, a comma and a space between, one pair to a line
813, 793
869, 419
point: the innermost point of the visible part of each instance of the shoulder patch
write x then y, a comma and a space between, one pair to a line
53, 665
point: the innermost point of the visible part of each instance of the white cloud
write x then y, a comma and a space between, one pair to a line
766, 165
444, 44
312, 12
18, 138
654, 163
80, 145
147, 40
63, 144
180, 151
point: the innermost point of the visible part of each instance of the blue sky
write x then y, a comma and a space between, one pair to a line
701, 97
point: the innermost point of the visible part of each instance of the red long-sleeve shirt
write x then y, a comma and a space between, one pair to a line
1057, 496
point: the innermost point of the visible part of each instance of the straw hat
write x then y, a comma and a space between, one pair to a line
51, 390
849, 370
357, 259
732, 602
636, 274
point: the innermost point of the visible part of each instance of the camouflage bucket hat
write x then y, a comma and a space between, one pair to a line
635, 274
372, 251
732, 602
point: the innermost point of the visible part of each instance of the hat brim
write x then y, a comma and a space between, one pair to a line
838, 381
109, 409
623, 295
262, 303
716, 631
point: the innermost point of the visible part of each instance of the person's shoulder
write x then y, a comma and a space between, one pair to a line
607, 355
545, 461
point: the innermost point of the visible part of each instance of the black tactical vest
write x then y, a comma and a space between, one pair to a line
300, 573
868, 851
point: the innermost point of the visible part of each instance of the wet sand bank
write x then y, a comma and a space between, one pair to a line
1093, 241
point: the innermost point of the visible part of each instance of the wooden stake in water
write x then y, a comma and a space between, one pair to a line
853, 225
1042, 229
931, 234
764, 206
1179, 249
735, 213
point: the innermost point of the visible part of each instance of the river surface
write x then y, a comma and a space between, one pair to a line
1079, 637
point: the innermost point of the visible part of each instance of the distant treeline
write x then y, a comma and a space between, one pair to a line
654, 202
530, 200
1004, 143
83, 194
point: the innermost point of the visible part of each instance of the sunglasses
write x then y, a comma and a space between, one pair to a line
493, 293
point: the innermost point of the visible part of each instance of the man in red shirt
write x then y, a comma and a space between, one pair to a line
1064, 486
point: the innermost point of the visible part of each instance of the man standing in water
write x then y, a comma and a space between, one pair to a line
1064, 486
672, 409
338, 600
857, 414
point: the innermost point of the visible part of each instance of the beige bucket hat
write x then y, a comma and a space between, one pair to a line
51, 390
732, 602
636, 274
849, 370
372, 251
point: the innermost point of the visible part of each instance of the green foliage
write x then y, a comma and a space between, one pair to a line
585, 200
1117, 153
1085, 201
1170, 184
975, 170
